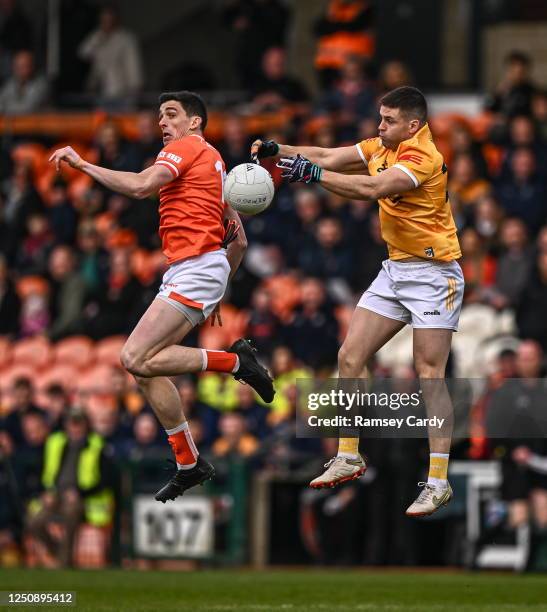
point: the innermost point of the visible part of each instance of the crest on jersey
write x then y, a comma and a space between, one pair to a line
429, 252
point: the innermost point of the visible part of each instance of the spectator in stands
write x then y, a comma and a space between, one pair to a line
235, 144
196, 409
393, 74
263, 325
73, 489
463, 143
10, 305
531, 319
514, 262
146, 441
15, 34
116, 73
20, 200
114, 151
25, 92
521, 132
300, 233
92, 258
114, 310
312, 333
257, 26
67, 294
539, 113
487, 218
22, 402
234, 440
344, 30
148, 142
56, 405
479, 268
35, 315
351, 98
254, 413
329, 257
513, 95
274, 87
465, 184
35, 248
61, 214
523, 193
30, 452
513, 411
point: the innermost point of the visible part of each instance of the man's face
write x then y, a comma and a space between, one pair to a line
174, 122
395, 127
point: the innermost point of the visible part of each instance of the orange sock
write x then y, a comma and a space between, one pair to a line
220, 361
180, 439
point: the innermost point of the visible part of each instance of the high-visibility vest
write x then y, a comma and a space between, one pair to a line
99, 507
334, 49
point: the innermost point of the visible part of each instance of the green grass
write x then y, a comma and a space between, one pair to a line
287, 591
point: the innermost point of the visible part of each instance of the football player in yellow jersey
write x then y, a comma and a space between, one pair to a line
421, 284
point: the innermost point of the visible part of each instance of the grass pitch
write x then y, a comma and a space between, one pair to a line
298, 590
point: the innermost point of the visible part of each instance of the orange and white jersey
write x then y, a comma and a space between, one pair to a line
192, 204
418, 222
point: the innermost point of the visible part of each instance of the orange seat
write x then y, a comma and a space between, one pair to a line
61, 374
107, 351
96, 380
234, 323
33, 153
35, 351
77, 351
5, 352
9, 375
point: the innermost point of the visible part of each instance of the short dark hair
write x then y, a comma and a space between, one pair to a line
518, 57
191, 102
409, 100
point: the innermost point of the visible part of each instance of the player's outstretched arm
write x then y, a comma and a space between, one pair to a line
137, 185
339, 159
390, 182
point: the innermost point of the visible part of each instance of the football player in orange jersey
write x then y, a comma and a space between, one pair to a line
421, 283
204, 244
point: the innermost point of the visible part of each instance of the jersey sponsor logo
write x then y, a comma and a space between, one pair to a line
429, 252
415, 159
432, 312
382, 167
177, 159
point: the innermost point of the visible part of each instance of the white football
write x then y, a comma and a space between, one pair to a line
249, 189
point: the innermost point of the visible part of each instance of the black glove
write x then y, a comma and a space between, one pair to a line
299, 169
264, 148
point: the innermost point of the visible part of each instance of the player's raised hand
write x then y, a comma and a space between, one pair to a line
299, 169
263, 148
68, 155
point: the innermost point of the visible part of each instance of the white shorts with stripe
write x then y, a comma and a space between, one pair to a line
425, 294
195, 285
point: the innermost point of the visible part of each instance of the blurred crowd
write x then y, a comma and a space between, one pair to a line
77, 260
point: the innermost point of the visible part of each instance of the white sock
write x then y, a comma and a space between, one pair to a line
236, 367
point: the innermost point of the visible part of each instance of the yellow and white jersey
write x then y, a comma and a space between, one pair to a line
418, 222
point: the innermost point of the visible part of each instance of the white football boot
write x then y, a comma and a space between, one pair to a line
339, 470
429, 500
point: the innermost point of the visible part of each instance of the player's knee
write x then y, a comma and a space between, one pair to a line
425, 369
134, 362
348, 363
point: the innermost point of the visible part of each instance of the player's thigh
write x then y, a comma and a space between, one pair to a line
431, 347
367, 333
160, 326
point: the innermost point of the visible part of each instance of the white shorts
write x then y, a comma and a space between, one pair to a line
422, 294
195, 285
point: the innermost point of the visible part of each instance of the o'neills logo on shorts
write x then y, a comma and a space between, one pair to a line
429, 252
432, 312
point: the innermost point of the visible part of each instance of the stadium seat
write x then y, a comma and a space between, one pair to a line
35, 352
96, 380
107, 351
33, 153
10, 374
62, 374
234, 322
77, 351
